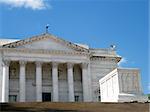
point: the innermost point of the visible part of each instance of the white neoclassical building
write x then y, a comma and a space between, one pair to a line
47, 68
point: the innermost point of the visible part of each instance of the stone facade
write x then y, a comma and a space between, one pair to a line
47, 68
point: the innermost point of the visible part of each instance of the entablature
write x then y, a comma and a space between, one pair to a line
15, 54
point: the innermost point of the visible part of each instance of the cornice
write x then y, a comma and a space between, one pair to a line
104, 58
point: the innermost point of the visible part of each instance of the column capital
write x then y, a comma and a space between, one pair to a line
70, 65
54, 64
84, 65
38, 63
22, 63
6, 62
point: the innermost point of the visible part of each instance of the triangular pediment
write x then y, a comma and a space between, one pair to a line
47, 42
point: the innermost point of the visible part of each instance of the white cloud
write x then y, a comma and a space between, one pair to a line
33, 4
123, 61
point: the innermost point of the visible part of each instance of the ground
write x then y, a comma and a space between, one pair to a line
74, 107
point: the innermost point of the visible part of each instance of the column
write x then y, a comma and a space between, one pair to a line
90, 83
85, 82
22, 81
5, 82
55, 81
38, 81
70, 82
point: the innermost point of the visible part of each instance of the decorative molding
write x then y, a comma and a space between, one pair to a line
6, 62
54, 64
22, 63
70, 65
38, 63
84, 65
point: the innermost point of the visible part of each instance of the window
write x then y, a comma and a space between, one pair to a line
76, 98
12, 98
99, 98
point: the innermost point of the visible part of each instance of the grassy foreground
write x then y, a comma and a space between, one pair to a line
74, 107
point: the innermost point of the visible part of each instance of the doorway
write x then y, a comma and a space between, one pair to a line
46, 97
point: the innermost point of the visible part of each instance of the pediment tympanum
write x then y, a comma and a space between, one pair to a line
47, 42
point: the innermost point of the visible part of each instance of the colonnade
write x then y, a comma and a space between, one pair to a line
22, 81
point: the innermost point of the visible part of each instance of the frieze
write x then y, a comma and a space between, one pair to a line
41, 51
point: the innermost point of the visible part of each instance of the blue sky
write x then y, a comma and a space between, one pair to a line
98, 23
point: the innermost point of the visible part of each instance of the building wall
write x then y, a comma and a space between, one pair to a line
99, 68
1, 75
